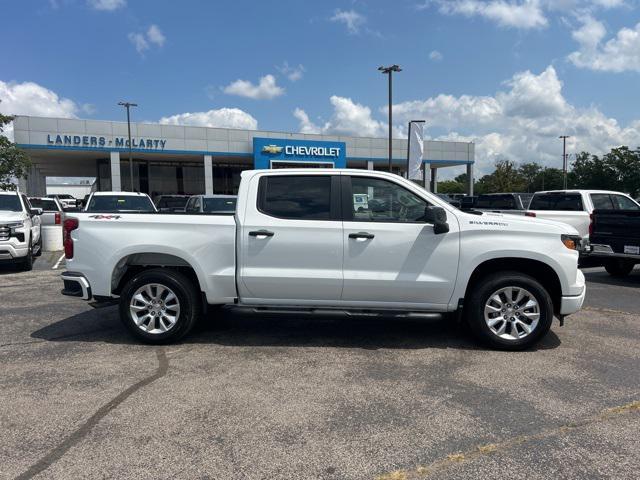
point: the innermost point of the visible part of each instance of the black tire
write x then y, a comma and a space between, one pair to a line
474, 307
39, 245
26, 264
619, 267
185, 291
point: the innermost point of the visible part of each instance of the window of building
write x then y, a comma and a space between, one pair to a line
296, 197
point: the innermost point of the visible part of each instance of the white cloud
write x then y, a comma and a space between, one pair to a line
293, 73
348, 118
29, 98
618, 54
155, 35
142, 40
350, 18
266, 88
107, 5
222, 118
525, 14
435, 55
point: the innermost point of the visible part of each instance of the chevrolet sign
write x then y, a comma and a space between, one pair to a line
298, 151
272, 149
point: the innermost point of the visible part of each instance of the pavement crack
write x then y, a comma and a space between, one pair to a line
84, 429
422, 472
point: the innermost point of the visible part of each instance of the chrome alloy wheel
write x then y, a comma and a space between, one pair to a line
512, 313
154, 308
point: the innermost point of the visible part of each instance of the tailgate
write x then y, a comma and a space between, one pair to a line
618, 229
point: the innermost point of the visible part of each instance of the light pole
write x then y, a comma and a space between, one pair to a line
128, 105
389, 71
564, 160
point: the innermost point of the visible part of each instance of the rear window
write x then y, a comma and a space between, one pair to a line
296, 197
47, 205
212, 205
172, 202
120, 203
500, 202
557, 201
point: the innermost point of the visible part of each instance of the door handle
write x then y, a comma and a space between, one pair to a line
366, 235
261, 233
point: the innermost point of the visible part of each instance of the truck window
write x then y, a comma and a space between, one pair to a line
624, 203
601, 201
296, 197
385, 202
557, 201
46, 204
499, 202
10, 203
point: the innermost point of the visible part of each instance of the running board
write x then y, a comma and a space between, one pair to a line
349, 312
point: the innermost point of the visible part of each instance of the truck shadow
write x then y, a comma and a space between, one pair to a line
250, 329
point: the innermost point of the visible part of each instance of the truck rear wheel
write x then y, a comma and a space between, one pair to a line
159, 306
619, 267
509, 310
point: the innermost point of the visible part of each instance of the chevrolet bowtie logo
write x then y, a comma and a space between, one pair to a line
274, 149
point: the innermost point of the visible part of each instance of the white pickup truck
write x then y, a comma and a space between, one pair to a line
297, 240
20, 238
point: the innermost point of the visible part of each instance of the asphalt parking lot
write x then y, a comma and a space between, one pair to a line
302, 397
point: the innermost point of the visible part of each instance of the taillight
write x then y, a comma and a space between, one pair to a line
590, 224
57, 218
70, 224
530, 214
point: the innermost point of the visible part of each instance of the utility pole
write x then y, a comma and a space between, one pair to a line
127, 105
389, 71
564, 160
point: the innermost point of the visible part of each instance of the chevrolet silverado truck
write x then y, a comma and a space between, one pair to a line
298, 241
20, 238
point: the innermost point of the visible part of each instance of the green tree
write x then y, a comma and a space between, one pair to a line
505, 178
530, 173
451, 186
14, 162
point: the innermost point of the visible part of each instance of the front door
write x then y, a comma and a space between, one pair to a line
291, 244
391, 256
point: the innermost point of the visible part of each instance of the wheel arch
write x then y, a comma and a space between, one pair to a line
542, 272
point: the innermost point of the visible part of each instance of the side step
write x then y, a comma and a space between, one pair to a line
350, 313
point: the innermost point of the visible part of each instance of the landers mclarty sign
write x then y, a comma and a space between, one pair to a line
94, 141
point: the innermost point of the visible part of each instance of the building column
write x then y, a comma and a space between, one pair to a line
369, 164
470, 179
208, 175
434, 180
42, 184
426, 177
115, 172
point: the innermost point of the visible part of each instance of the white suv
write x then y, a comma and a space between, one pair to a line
20, 238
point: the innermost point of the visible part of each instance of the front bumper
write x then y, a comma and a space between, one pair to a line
76, 285
12, 250
572, 303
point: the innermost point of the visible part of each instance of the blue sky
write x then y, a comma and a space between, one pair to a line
509, 75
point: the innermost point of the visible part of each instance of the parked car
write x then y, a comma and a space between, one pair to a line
120, 202
574, 207
614, 237
217, 204
67, 201
20, 238
468, 202
512, 203
171, 203
297, 242
52, 211
449, 200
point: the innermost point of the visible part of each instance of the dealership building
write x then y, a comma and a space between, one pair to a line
175, 159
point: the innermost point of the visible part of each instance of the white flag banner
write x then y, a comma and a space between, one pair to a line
416, 149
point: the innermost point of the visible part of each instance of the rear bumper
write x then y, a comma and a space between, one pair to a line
76, 285
605, 251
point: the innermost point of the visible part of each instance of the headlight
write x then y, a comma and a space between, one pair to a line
572, 242
15, 225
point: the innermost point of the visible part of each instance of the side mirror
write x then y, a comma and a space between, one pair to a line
438, 217
36, 211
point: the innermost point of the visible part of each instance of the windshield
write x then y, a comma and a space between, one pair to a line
172, 202
120, 203
45, 204
10, 203
219, 205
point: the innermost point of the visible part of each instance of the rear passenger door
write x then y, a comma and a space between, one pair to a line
291, 242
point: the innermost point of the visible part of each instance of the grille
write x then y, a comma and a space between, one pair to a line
5, 232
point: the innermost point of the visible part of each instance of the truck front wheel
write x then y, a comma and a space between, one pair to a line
509, 310
159, 306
